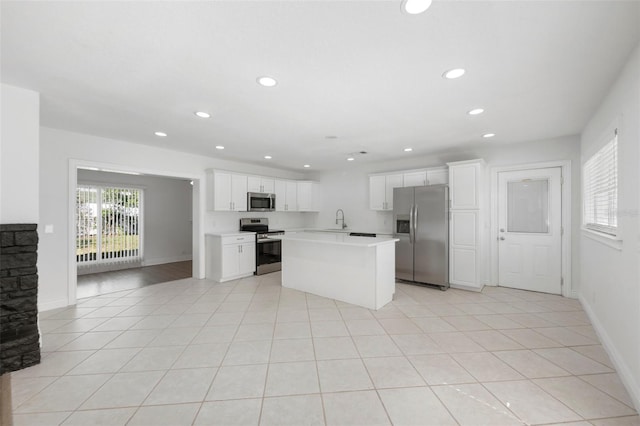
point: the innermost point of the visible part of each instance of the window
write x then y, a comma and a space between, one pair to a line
108, 225
600, 186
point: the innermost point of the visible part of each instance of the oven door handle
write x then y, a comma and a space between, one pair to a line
267, 240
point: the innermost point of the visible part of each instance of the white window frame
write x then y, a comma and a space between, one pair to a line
607, 183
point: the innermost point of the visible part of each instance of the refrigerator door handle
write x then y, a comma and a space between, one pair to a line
415, 221
411, 225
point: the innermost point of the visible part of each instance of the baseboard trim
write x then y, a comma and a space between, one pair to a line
53, 304
467, 287
625, 373
160, 261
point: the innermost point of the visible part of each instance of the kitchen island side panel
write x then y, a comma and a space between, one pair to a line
358, 275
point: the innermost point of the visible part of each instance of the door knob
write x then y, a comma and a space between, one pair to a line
501, 238
501, 229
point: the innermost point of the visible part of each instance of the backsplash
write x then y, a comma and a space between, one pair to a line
230, 221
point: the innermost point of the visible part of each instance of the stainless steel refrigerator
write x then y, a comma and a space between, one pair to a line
421, 222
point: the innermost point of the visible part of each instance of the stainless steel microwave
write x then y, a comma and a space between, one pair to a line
261, 202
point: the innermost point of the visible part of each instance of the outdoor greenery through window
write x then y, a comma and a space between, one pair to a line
108, 224
600, 179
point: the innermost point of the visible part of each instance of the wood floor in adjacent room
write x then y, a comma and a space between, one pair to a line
129, 279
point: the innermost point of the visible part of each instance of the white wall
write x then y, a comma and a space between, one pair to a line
610, 288
61, 150
19, 145
348, 189
167, 214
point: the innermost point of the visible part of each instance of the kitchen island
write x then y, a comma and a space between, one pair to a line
356, 270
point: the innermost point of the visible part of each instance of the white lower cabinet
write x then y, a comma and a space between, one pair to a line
230, 257
464, 248
466, 224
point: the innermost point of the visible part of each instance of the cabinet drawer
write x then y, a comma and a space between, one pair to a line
238, 239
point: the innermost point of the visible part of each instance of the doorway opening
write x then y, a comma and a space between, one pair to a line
131, 231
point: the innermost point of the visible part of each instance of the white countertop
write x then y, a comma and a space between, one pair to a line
339, 231
229, 233
335, 238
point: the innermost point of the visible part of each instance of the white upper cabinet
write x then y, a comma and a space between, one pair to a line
260, 184
286, 195
381, 185
418, 178
268, 185
377, 192
381, 190
221, 196
437, 176
464, 183
393, 181
239, 193
229, 191
307, 196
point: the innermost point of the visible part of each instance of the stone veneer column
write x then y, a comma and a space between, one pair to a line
19, 335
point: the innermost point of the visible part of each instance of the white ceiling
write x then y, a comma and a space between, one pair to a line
361, 70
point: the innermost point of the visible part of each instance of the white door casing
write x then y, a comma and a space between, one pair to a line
529, 229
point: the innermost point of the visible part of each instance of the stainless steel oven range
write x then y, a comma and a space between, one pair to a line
268, 251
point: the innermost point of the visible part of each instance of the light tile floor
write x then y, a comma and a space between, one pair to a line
249, 352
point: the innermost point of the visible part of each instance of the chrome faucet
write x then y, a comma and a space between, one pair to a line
344, 225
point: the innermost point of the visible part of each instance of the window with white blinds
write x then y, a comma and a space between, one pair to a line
600, 189
108, 225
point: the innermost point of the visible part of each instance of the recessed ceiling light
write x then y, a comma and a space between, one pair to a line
219, 147
267, 81
488, 135
267, 157
161, 134
350, 158
476, 111
414, 7
306, 166
408, 149
454, 73
202, 114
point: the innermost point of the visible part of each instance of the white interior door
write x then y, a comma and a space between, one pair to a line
529, 230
